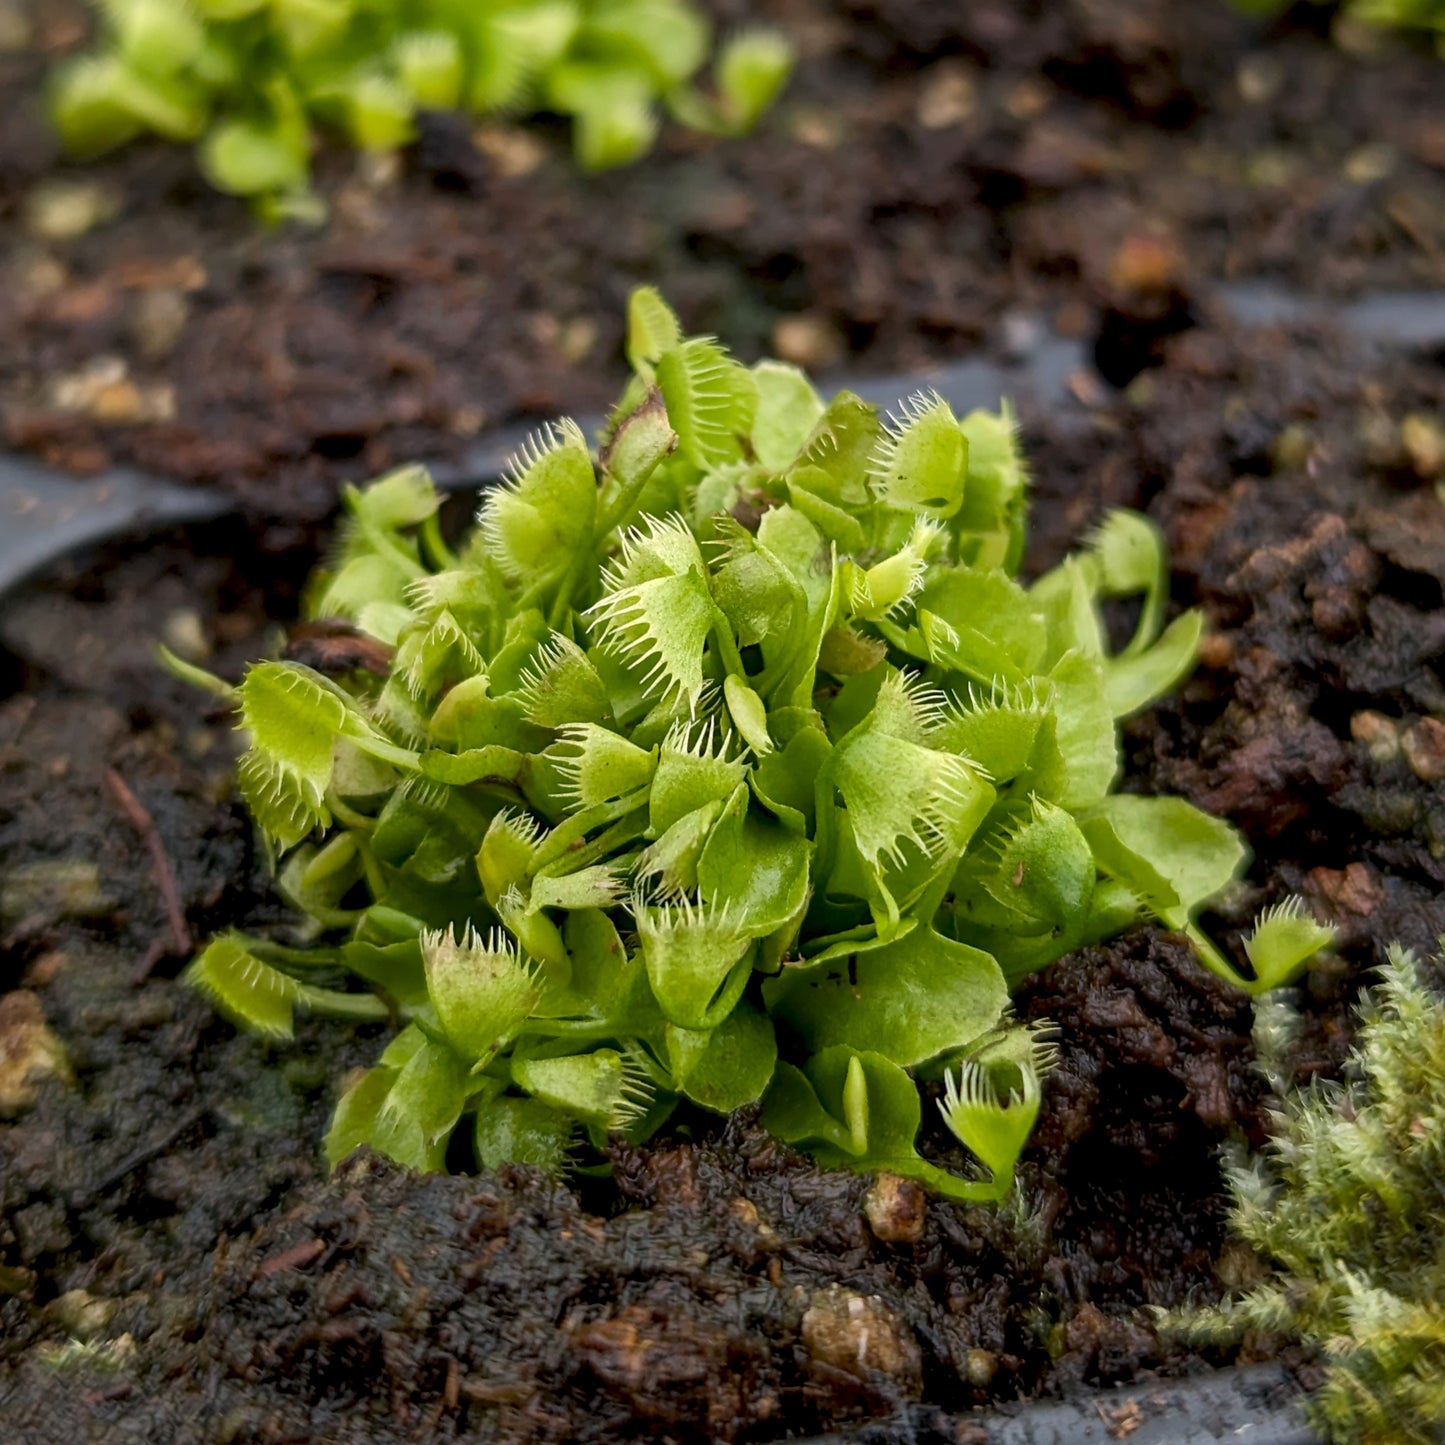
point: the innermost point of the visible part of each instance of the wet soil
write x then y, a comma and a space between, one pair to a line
175, 1265
934, 174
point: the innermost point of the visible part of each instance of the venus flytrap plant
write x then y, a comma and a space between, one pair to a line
733, 765
1423, 15
254, 81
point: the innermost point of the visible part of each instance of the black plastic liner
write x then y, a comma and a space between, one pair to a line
46, 515
1257, 1405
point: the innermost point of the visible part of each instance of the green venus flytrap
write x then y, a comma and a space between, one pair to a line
1427, 16
253, 82
732, 764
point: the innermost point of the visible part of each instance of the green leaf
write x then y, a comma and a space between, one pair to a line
294, 717
523, 1131
857, 1110
998, 729
1172, 855
1084, 732
357, 1111
711, 400
787, 412
910, 1001
652, 329
536, 519
158, 37
498, 766
785, 781
614, 121
1046, 870
380, 114
1133, 681
697, 959
996, 1126
605, 1088
899, 791
886, 587
729, 1066
992, 631
437, 657
756, 594
752, 70
597, 765
562, 686
1129, 556
422, 1107
247, 991
656, 612
755, 867
1285, 938
920, 464
638, 442
99, 102
431, 68
800, 548
481, 988
991, 520
1065, 598
694, 768
606, 982
666, 39
749, 715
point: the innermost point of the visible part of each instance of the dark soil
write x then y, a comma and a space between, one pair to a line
166, 1202
935, 172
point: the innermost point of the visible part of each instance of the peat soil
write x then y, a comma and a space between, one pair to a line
175, 1266
937, 177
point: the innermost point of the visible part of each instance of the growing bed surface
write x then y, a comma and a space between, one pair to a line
166, 1199
934, 171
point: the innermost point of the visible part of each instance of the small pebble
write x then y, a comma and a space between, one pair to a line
860, 1336
809, 340
1259, 79
821, 129
29, 1051
980, 1366
81, 1313
1424, 441
103, 389
896, 1208
947, 96
1370, 163
1028, 100
185, 635
62, 210
157, 321
1020, 335
1380, 735
1292, 448
1423, 744
512, 152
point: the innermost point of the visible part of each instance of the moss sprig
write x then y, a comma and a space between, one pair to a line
1345, 1206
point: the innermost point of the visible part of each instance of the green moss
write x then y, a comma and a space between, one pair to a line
1346, 1205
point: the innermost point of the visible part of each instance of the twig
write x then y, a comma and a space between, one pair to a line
161, 869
